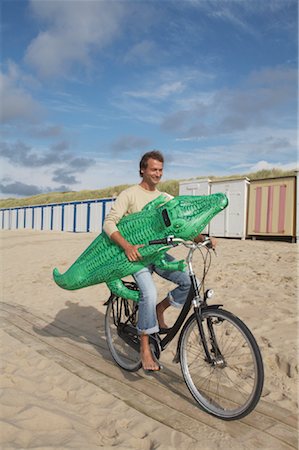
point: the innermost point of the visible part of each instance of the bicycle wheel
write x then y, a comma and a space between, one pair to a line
230, 385
120, 329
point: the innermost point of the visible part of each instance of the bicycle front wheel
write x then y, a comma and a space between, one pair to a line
229, 383
122, 339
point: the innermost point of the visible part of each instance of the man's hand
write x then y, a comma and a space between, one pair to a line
132, 252
201, 238
213, 242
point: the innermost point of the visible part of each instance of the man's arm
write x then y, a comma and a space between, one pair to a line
118, 210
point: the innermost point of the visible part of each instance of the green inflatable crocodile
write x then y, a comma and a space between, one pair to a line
103, 261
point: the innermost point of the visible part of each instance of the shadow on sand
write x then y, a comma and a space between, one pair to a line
86, 325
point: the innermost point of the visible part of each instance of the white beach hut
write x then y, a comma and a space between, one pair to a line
232, 221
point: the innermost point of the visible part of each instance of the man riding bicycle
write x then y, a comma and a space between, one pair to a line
132, 200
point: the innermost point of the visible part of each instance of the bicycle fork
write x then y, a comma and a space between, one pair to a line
216, 358
213, 356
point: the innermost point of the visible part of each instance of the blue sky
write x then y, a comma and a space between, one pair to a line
89, 86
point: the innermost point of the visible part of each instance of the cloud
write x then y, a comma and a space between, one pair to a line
60, 146
55, 164
273, 77
267, 97
69, 103
62, 176
80, 163
127, 143
73, 32
161, 92
242, 14
265, 165
168, 84
19, 188
23, 155
233, 18
47, 131
144, 52
17, 103
228, 154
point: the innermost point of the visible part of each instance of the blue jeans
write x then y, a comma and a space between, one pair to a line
147, 317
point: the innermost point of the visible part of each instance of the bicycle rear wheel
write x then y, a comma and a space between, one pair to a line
120, 329
230, 385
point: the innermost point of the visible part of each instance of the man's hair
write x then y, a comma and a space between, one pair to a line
154, 154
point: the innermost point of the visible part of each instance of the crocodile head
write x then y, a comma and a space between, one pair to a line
187, 215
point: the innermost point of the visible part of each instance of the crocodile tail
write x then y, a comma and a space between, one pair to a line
69, 280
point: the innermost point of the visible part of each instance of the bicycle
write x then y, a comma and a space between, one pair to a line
220, 360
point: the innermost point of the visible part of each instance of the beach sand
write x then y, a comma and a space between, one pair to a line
60, 388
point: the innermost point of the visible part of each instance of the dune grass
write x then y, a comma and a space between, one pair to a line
170, 186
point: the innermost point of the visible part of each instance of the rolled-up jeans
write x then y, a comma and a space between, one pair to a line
147, 317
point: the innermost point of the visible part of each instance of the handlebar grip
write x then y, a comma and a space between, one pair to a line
158, 241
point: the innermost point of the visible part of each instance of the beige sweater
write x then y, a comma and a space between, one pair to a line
129, 201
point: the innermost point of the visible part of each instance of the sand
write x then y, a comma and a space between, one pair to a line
61, 389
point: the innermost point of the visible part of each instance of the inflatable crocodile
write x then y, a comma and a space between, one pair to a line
104, 261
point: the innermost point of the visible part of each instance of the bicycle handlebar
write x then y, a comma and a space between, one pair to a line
171, 240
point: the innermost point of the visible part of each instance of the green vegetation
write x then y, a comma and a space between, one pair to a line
170, 186
61, 197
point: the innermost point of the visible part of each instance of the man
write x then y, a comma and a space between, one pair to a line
131, 200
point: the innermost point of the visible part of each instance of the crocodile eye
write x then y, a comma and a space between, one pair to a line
179, 223
166, 217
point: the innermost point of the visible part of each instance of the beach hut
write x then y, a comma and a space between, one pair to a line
28, 217
6, 219
271, 210
195, 187
37, 222
81, 216
21, 218
47, 214
231, 222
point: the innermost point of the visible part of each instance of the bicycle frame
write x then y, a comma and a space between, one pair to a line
180, 320
198, 304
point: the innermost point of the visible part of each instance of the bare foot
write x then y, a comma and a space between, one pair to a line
160, 308
148, 363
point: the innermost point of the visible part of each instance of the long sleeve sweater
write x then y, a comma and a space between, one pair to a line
129, 201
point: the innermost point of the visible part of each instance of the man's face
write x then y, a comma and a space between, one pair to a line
153, 173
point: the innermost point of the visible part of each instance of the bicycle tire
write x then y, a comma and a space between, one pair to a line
230, 386
122, 312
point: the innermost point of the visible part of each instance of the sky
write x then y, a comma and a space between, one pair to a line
87, 87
